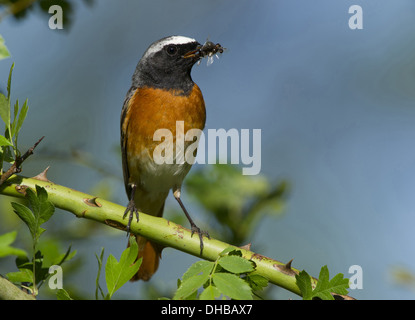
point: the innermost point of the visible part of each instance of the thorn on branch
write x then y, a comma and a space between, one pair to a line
15, 167
286, 268
246, 246
92, 202
288, 264
43, 175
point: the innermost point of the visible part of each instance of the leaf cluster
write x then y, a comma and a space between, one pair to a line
230, 276
34, 270
324, 288
13, 123
117, 273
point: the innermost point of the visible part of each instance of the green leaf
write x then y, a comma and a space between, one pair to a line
199, 267
4, 52
226, 251
41, 210
67, 256
303, 281
63, 295
4, 109
235, 252
190, 286
256, 281
210, 293
5, 248
22, 117
232, 286
24, 275
236, 264
118, 273
9, 82
27, 216
195, 277
45, 207
5, 142
15, 113
325, 287
8, 155
41, 271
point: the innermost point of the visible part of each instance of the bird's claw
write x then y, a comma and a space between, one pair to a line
196, 229
132, 210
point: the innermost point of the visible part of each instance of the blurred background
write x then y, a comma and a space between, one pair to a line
336, 108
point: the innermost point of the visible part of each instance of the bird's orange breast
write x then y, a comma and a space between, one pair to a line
151, 109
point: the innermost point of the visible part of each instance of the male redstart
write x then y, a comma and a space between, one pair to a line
162, 93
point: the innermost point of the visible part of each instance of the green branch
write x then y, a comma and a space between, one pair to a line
8, 291
157, 229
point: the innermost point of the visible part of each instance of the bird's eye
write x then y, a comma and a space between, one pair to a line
171, 50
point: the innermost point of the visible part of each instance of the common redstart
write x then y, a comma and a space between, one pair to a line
162, 93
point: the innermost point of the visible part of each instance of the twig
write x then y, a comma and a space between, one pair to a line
15, 167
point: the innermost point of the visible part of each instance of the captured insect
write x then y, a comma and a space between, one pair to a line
208, 49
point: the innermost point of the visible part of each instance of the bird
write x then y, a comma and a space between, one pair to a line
162, 93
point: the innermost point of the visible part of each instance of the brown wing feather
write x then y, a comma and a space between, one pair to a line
124, 138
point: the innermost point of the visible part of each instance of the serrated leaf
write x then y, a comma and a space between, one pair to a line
27, 216
256, 281
303, 281
46, 208
236, 264
325, 287
41, 211
190, 286
24, 275
42, 208
5, 249
199, 267
118, 273
232, 286
210, 293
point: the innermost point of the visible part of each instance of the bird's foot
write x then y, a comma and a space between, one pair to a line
132, 211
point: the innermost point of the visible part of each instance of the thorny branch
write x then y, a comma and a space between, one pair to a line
15, 167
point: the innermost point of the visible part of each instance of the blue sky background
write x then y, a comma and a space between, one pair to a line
335, 106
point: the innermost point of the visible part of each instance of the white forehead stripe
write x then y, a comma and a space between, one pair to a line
157, 46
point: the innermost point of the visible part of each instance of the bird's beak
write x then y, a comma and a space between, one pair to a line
194, 53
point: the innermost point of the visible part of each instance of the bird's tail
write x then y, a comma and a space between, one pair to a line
151, 254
